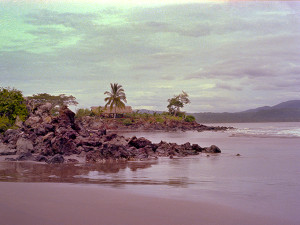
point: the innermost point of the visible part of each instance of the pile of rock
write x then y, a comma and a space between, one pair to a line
167, 125
47, 138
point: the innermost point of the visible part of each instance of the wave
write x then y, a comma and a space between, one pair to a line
268, 132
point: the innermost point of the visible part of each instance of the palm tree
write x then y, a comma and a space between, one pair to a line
116, 97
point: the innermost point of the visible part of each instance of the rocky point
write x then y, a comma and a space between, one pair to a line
51, 139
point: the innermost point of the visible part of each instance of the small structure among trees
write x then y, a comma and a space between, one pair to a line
177, 102
114, 112
116, 98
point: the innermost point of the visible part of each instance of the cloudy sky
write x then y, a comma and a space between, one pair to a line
228, 56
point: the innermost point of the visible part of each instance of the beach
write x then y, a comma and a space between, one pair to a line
52, 203
260, 186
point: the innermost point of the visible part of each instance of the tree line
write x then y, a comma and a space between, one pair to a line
13, 104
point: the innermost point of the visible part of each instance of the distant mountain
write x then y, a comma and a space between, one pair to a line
284, 112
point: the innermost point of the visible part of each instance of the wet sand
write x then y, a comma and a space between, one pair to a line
54, 203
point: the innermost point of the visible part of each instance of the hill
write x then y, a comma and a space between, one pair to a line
283, 112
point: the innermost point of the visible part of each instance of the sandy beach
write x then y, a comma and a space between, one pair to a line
52, 203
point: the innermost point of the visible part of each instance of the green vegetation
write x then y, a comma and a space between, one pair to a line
83, 112
127, 122
116, 97
152, 118
12, 106
177, 102
189, 118
97, 111
4, 123
55, 100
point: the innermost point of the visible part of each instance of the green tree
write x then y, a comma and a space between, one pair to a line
12, 105
116, 97
177, 102
189, 118
83, 112
55, 100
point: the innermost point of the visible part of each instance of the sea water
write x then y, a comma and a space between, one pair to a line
264, 179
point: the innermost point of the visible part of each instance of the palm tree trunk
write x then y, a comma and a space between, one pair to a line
115, 114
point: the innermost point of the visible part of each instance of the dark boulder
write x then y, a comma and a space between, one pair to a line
56, 159
11, 136
25, 157
63, 145
10, 159
66, 116
212, 149
110, 137
139, 142
197, 148
41, 158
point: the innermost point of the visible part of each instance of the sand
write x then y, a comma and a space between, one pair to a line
54, 203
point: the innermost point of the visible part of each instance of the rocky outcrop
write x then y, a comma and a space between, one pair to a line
168, 125
46, 138
7, 150
212, 149
24, 145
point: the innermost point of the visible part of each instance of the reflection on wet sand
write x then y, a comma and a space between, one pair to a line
110, 173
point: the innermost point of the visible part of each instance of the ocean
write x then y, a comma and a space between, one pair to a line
263, 179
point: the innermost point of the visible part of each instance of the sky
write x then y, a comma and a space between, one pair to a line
229, 56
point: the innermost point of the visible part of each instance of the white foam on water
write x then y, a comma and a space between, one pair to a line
267, 132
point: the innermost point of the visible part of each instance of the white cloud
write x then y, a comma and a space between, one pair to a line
224, 55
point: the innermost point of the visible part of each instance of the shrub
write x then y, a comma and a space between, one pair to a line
160, 119
189, 118
127, 122
83, 112
4, 123
12, 105
180, 114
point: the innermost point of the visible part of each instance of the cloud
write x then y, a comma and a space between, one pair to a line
228, 87
223, 55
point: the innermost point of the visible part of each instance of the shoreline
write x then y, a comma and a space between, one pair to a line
57, 203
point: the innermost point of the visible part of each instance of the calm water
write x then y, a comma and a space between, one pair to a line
265, 179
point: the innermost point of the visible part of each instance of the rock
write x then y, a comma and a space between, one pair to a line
25, 156
63, 145
45, 108
56, 136
48, 137
33, 121
72, 161
66, 116
197, 148
187, 146
110, 137
24, 145
47, 119
11, 136
212, 149
10, 159
96, 125
41, 158
7, 150
18, 122
139, 142
119, 140
56, 159
40, 130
